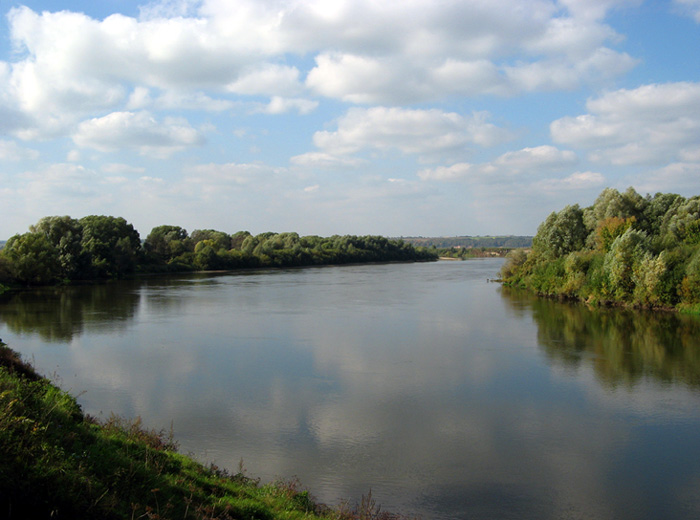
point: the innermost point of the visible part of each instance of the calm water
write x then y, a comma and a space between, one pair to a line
448, 396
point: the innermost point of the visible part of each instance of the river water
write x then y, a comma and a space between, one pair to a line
447, 396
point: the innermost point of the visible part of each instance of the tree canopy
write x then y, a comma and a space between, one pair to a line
625, 248
61, 249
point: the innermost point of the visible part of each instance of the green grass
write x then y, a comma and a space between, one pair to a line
56, 462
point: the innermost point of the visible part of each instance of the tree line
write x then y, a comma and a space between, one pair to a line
61, 249
506, 241
625, 248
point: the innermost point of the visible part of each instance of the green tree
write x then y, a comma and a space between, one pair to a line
165, 243
32, 259
112, 244
561, 233
627, 250
223, 240
65, 234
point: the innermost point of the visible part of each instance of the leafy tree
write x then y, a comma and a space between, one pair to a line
624, 253
561, 233
223, 240
612, 203
680, 223
611, 228
32, 259
164, 243
65, 234
238, 238
113, 246
657, 207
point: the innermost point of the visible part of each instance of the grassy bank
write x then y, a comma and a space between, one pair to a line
57, 462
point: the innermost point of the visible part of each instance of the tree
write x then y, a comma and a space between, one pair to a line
112, 244
561, 233
65, 234
612, 203
625, 252
32, 259
164, 243
223, 240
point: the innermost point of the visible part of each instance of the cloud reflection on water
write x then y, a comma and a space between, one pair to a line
448, 396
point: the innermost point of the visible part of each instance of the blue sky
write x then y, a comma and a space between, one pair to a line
400, 118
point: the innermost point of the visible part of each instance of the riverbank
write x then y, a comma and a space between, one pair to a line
56, 462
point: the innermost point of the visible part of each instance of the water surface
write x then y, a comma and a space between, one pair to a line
449, 396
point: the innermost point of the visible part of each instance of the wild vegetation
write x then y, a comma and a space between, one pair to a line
624, 249
469, 242
464, 253
56, 462
64, 249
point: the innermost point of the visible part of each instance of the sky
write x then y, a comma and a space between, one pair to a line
389, 117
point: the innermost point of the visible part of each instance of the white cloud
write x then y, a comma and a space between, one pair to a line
116, 168
596, 67
690, 6
196, 53
679, 177
267, 79
540, 157
646, 125
325, 160
138, 131
211, 178
528, 161
409, 131
11, 151
576, 181
58, 184
449, 173
280, 105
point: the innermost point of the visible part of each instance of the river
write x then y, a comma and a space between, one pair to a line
447, 396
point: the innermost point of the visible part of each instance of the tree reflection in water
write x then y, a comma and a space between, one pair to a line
622, 346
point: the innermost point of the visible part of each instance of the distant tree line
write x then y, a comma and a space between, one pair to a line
625, 248
509, 241
62, 249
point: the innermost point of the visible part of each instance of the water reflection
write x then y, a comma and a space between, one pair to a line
63, 313
622, 346
449, 397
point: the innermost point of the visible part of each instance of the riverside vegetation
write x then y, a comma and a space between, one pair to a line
56, 462
624, 249
63, 249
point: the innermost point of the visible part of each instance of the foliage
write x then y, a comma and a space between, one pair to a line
112, 245
31, 259
62, 249
561, 233
467, 242
625, 249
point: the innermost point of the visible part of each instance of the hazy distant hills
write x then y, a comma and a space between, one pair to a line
467, 241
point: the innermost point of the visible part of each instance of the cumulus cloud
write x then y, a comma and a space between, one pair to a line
325, 160
650, 124
409, 131
119, 168
679, 177
70, 65
532, 161
138, 131
281, 105
574, 182
11, 151
212, 177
